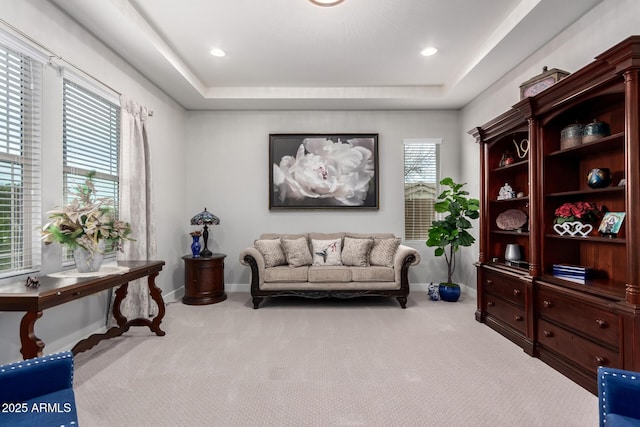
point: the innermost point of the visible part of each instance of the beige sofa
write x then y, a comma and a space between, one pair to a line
318, 265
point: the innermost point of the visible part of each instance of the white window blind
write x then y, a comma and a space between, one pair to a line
20, 210
421, 165
91, 142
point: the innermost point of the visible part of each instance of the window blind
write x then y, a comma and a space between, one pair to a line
20, 210
421, 165
91, 142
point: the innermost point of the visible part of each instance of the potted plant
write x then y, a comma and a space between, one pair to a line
85, 225
449, 234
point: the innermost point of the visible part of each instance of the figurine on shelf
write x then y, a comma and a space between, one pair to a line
506, 192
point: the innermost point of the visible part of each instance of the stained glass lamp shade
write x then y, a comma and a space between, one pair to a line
205, 218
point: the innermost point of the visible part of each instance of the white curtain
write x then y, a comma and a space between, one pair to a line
136, 206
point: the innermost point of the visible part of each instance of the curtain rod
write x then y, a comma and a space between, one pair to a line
52, 55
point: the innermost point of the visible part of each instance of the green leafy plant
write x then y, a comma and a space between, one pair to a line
448, 234
85, 221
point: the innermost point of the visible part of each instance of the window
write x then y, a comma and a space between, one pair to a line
91, 142
20, 211
421, 165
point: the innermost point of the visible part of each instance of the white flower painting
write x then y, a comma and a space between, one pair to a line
323, 171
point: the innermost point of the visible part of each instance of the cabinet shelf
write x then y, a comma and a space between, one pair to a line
611, 142
514, 200
519, 164
614, 241
510, 232
610, 190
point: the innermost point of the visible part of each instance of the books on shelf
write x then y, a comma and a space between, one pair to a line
573, 273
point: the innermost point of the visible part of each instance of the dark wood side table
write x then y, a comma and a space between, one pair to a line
204, 279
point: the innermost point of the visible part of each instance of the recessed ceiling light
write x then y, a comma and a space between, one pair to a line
326, 3
429, 51
217, 52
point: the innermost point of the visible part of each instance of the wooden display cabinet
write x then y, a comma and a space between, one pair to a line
574, 327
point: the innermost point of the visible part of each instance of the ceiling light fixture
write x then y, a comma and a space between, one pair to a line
429, 51
326, 3
217, 52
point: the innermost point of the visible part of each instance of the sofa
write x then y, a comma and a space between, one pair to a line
320, 265
38, 392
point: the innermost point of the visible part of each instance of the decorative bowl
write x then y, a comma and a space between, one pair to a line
599, 178
595, 131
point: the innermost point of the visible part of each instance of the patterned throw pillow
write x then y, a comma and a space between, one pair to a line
297, 252
326, 252
271, 250
356, 251
384, 251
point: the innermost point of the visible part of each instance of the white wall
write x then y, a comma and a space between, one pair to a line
62, 326
607, 24
229, 171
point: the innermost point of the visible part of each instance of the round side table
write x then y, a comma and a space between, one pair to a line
204, 279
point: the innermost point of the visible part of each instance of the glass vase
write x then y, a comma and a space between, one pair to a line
87, 262
195, 246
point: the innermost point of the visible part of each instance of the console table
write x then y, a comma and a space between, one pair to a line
56, 291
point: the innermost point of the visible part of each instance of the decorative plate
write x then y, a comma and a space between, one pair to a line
511, 219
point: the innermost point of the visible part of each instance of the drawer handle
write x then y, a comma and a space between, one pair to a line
600, 360
491, 303
516, 292
547, 333
602, 323
489, 282
547, 304
75, 294
517, 318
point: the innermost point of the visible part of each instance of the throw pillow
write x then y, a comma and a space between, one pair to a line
297, 252
326, 252
356, 251
271, 250
384, 251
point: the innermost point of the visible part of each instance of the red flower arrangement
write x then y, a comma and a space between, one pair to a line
579, 211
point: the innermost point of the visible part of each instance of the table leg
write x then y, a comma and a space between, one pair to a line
156, 295
31, 345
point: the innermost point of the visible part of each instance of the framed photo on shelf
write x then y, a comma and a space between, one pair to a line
611, 223
323, 171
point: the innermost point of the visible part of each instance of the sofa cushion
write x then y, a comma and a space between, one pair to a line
329, 273
297, 251
356, 251
271, 250
284, 273
326, 236
384, 251
371, 235
326, 252
372, 274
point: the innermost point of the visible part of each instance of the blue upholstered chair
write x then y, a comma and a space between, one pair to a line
618, 397
38, 392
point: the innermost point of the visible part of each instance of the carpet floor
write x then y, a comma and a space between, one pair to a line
298, 362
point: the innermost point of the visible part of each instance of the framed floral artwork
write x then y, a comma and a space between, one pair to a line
323, 171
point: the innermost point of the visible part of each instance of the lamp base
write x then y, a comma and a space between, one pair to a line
206, 253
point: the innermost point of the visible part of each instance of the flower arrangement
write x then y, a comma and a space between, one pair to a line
578, 211
86, 221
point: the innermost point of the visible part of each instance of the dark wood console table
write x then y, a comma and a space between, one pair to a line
56, 291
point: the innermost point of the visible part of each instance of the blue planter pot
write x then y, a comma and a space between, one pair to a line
449, 293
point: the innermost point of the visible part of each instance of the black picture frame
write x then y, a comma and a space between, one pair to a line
323, 171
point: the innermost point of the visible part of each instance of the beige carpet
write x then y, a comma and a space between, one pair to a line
298, 362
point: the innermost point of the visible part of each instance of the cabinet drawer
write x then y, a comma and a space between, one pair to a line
506, 312
505, 287
595, 322
584, 352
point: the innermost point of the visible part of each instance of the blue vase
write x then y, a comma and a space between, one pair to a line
449, 293
195, 247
